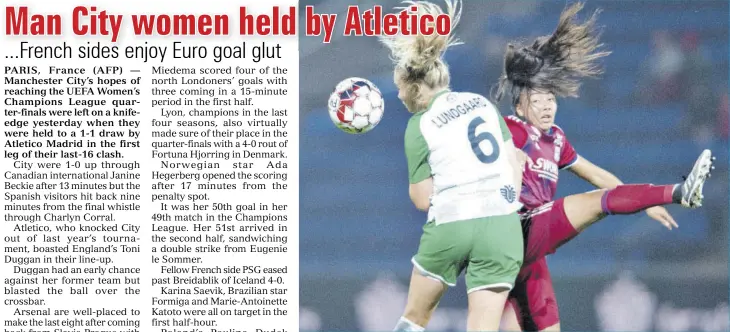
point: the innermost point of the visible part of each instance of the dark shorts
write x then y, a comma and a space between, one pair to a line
545, 228
533, 298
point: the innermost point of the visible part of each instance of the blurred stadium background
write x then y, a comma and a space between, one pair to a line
663, 99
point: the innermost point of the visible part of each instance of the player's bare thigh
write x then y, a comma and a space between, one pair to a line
509, 319
584, 209
485, 309
424, 294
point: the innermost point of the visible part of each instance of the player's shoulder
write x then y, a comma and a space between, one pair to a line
515, 123
518, 128
414, 121
454, 101
557, 130
460, 97
475, 98
512, 119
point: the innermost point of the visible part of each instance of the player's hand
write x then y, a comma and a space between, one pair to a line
660, 214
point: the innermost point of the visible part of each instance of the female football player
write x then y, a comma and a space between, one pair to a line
534, 76
463, 170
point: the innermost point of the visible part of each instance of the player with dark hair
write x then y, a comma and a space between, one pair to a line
534, 75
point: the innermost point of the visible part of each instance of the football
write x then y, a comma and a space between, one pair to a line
356, 105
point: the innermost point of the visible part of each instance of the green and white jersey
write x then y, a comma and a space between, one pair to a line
460, 141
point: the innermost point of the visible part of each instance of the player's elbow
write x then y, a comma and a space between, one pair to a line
420, 194
422, 205
419, 199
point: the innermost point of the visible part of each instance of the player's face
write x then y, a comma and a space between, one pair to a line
538, 108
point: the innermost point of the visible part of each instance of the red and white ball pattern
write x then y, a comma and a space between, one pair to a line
356, 106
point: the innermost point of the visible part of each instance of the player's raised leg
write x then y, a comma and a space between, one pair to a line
582, 210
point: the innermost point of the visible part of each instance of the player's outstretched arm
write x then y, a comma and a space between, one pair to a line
594, 174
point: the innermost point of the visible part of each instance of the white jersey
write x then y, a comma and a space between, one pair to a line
460, 142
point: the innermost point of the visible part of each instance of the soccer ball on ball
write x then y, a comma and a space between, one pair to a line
356, 106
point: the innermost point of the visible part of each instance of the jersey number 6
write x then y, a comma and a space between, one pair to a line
475, 140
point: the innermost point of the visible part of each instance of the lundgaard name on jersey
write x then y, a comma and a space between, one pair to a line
460, 140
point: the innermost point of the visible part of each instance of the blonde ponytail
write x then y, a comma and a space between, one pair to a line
419, 67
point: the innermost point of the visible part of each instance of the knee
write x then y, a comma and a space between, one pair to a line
591, 200
599, 197
583, 210
597, 194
